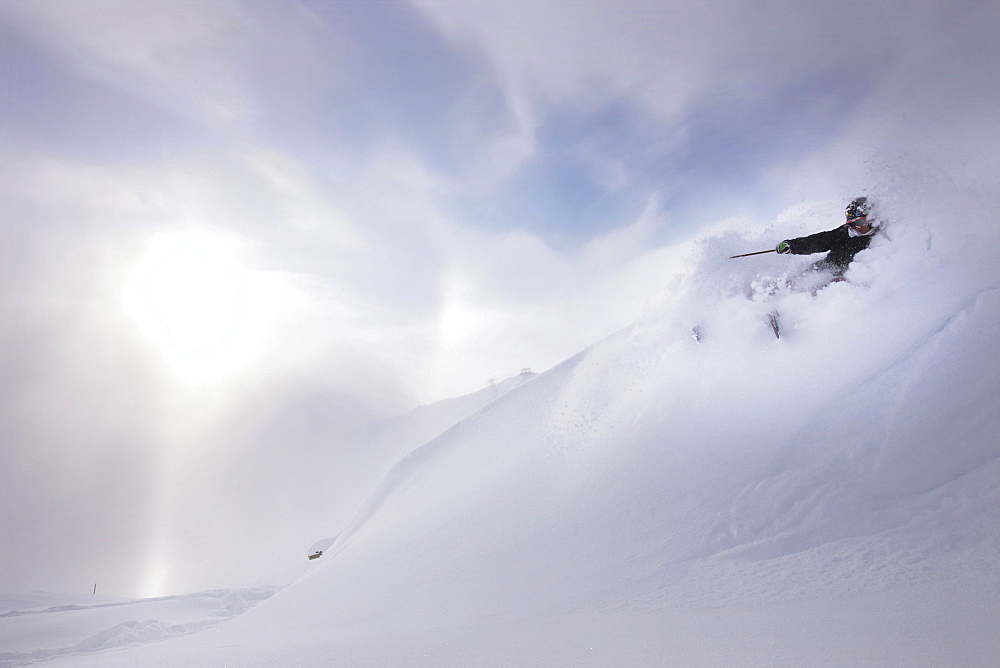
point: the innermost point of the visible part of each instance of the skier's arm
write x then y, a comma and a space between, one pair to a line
814, 243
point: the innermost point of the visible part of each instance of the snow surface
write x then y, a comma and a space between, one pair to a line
299, 478
830, 498
41, 626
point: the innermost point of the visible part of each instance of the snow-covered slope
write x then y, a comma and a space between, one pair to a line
382, 443
45, 626
39, 627
829, 498
397, 436
249, 515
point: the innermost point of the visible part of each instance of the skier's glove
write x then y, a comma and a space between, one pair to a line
783, 248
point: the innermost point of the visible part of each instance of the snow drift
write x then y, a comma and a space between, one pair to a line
831, 497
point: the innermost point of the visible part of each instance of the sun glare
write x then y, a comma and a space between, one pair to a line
191, 297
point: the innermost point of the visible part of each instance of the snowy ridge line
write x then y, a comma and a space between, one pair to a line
397, 475
419, 456
412, 462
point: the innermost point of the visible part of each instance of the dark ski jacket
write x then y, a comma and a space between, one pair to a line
841, 245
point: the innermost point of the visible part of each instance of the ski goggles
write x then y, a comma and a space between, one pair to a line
858, 220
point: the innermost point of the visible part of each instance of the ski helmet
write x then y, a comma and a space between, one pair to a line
859, 206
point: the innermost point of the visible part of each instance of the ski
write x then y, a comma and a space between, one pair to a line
772, 319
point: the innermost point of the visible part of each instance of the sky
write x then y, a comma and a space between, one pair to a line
215, 213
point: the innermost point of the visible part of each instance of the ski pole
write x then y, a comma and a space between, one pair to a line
733, 257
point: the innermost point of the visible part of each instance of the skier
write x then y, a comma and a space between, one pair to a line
843, 243
840, 245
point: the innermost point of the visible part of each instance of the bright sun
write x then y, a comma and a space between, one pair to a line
191, 297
